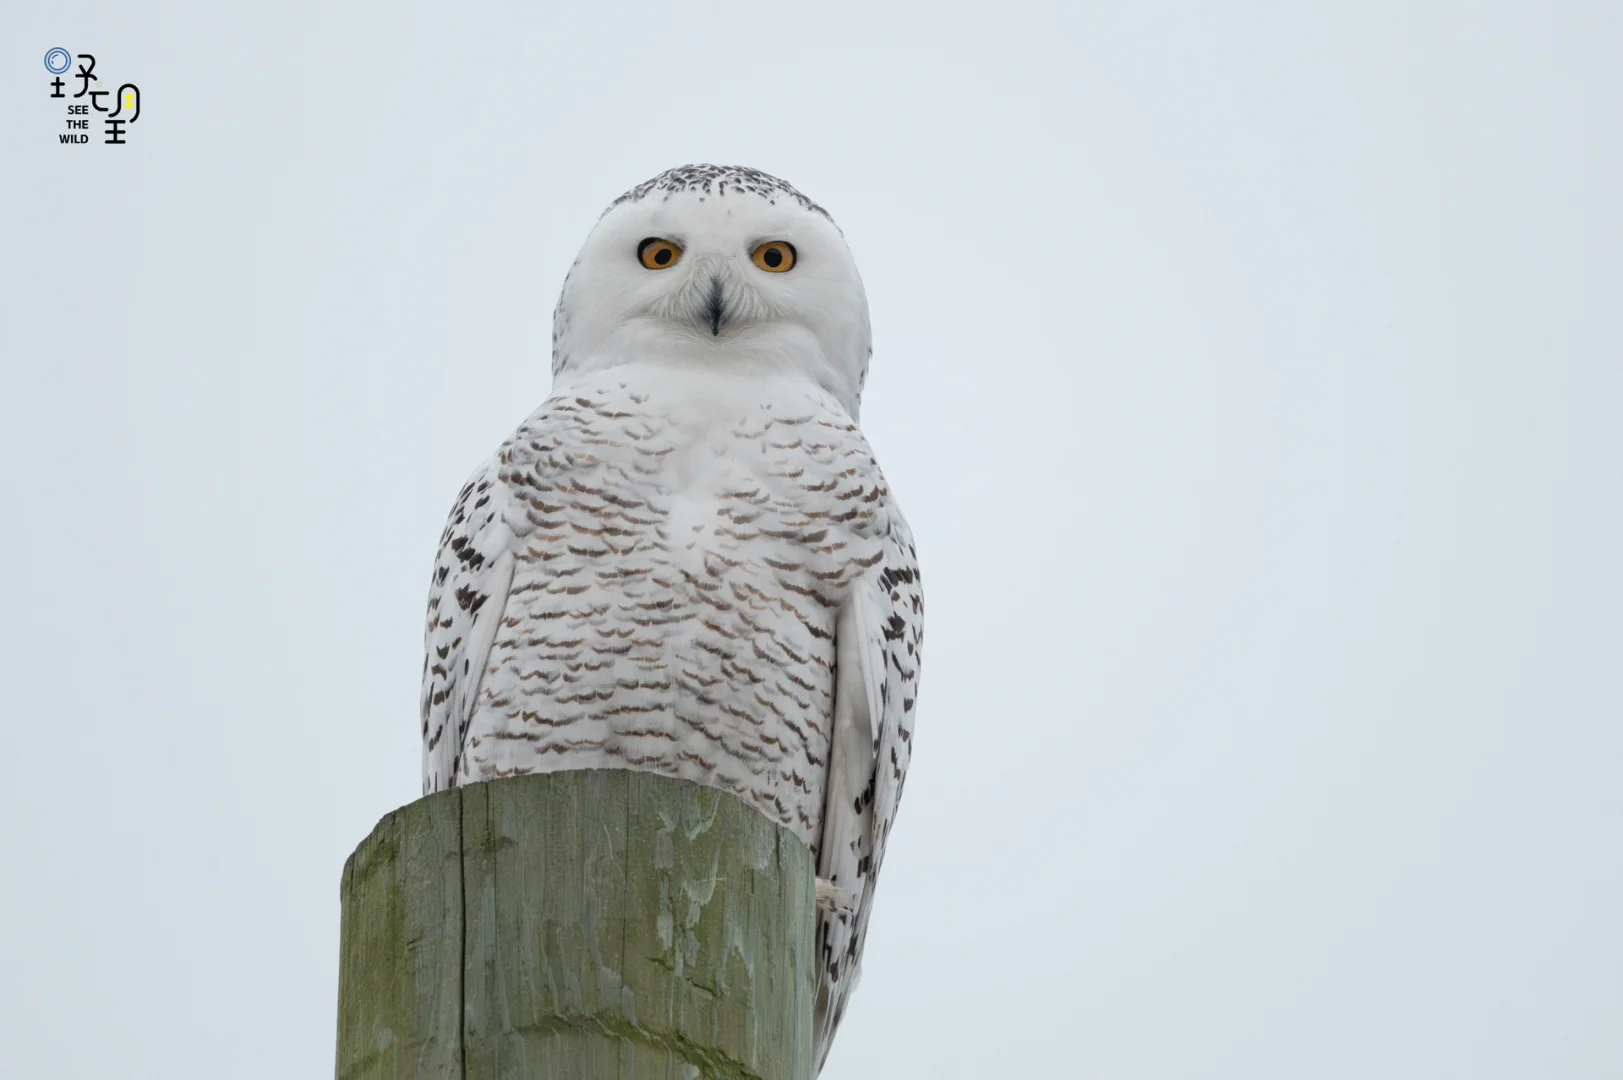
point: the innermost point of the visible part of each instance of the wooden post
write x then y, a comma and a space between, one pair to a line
578, 925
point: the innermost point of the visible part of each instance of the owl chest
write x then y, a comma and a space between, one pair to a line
684, 548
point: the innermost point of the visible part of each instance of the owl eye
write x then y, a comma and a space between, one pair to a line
775, 256
657, 254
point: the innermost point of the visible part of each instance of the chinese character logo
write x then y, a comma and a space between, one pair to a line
117, 118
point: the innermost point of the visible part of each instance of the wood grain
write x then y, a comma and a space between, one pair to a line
588, 924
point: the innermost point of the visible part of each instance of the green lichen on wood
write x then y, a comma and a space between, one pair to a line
589, 925
400, 953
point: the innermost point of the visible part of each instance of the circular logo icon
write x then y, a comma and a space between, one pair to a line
58, 60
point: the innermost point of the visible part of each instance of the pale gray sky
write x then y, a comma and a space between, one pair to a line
1251, 374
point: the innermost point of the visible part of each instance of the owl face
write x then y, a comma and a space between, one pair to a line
719, 268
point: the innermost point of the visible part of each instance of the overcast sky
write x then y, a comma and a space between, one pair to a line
1251, 375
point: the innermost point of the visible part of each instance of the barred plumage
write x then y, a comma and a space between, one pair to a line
687, 560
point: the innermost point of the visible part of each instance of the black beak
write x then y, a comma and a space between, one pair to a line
718, 311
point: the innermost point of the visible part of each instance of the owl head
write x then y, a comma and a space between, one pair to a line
721, 268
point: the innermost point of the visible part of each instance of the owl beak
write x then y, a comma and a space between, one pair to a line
716, 307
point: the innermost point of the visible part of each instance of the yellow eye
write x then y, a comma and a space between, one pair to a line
657, 254
775, 256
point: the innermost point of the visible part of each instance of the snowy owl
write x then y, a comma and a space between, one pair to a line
687, 561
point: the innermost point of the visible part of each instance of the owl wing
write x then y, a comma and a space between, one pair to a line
472, 575
877, 645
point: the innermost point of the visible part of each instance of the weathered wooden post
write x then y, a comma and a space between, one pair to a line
581, 925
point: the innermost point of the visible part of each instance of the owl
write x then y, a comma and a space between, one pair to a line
687, 561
